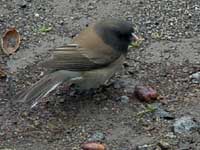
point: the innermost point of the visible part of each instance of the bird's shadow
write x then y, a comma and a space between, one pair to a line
75, 100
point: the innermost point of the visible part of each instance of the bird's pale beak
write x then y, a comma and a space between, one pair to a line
135, 37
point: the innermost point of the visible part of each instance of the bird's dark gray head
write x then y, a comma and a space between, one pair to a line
116, 33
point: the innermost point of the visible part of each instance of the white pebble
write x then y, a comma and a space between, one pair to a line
37, 15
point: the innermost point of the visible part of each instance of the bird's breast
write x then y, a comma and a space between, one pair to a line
97, 77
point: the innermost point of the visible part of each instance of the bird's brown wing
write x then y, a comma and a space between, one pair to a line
75, 58
88, 52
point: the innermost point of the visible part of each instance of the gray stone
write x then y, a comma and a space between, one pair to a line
124, 99
195, 77
185, 124
97, 136
161, 113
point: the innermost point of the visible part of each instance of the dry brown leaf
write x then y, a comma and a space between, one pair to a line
10, 41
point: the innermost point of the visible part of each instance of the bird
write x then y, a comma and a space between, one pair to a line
90, 60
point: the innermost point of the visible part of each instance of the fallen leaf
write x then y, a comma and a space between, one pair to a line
45, 29
10, 41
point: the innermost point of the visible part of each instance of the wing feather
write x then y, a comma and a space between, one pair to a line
88, 51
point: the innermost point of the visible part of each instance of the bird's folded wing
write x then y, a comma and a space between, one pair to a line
75, 58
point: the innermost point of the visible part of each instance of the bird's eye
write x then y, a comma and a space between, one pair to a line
119, 34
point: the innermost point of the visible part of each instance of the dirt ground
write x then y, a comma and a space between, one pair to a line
169, 54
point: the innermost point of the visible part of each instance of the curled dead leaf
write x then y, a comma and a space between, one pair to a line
10, 41
93, 146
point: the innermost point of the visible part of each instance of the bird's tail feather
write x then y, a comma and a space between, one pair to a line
34, 94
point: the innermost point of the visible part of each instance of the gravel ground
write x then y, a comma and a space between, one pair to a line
169, 54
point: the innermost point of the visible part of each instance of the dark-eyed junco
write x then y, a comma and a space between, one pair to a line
93, 57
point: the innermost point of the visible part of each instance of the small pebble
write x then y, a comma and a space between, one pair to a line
2, 133
195, 78
37, 15
170, 135
164, 145
144, 147
23, 4
124, 99
36, 123
185, 124
117, 85
98, 136
161, 113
